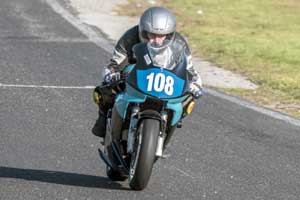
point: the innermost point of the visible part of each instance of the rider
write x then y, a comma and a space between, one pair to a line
157, 25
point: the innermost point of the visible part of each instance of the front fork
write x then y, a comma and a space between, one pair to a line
135, 116
132, 128
162, 134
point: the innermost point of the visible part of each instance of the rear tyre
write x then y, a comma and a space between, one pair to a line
144, 154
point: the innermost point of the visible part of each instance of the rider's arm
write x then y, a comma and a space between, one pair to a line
122, 54
194, 76
196, 81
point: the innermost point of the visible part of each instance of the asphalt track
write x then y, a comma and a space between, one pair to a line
224, 151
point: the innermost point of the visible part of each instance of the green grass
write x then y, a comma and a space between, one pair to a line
259, 39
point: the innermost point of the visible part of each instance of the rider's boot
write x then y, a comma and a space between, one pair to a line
99, 128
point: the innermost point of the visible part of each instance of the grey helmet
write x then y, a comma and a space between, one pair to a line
157, 20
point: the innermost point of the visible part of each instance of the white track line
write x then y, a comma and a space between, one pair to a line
47, 86
252, 106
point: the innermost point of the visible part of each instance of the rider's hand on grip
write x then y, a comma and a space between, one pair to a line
198, 94
112, 77
196, 90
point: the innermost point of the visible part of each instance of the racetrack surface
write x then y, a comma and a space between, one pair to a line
224, 151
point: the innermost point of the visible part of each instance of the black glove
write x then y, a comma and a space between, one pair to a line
112, 77
196, 90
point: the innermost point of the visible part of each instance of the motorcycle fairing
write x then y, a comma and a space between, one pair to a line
144, 68
133, 96
136, 87
172, 90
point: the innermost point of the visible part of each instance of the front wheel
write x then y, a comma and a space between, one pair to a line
144, 154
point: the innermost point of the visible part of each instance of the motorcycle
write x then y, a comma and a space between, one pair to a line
146, 111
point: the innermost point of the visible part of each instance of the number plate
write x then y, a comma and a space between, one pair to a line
159, 83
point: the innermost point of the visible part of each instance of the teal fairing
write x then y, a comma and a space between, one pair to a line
133, 96
159, 73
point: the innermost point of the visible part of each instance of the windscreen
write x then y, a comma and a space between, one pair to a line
167, 55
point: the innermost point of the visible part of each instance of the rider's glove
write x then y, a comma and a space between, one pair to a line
112, 77
196, 90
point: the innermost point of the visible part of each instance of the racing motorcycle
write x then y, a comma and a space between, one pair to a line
148, 108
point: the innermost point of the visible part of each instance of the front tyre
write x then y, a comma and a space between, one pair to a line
144, 154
